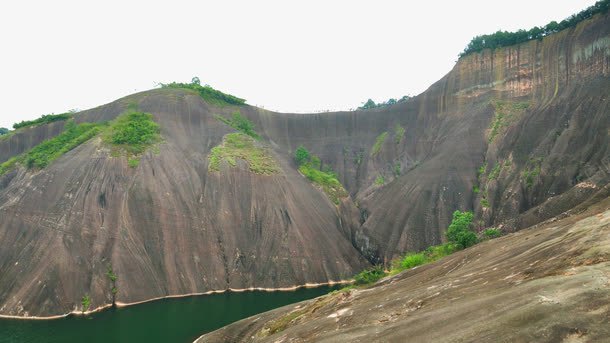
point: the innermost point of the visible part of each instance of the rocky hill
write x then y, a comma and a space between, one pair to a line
519, 135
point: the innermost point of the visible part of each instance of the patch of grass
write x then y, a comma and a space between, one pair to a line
412, 260
47, 118
490, 233
369, 276
326, 180
133, 162
506, 113
482, 170
86, 302
240, 123
380, 180
310, 167
240, 146
397, 168
399, 133
495, 172
532, 171
209, 94
379, 143
48, 151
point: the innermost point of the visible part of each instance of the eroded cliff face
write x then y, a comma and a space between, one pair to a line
535, 116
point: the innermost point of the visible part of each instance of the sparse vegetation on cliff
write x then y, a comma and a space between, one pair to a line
459, 235
505, 114
380, 180
211, 95
47, 118
240, 146
325, 178
505, 38
379, 143
399, 133
46, 152
132, 133
86, 302
240, 123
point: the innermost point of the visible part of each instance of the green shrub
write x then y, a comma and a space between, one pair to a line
397, 168
86, 302
208, 93
378, 143
326, 180
47, 118
4, 131
133, 162
134, 132
495, 172
399, 132
301, 155
484, 203
380, 180
413, 260
240, 123
491, 233
459, 232
369, 276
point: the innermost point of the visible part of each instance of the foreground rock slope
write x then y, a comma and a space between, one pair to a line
549, 283
518, 134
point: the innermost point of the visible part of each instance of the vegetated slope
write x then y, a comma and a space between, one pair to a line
549, 283
173, 225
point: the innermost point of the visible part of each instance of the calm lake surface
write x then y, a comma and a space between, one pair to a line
179, 320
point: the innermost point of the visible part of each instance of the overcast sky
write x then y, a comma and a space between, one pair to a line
282, 55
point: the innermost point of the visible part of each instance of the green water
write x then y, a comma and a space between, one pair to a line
169, 320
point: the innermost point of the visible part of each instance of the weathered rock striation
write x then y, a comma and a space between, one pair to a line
535, 116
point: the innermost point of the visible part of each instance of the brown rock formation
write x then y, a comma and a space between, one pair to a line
172, 227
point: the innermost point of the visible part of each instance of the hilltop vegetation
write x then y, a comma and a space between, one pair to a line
48, 151
132, 133
369, 104
208, 93
47, 118
505, 38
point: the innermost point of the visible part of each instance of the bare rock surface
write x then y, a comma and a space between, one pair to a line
549, 283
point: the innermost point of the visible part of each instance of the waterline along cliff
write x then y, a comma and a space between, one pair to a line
214, 199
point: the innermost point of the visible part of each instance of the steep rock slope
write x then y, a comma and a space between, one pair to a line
170, 226
535, 115
549, 283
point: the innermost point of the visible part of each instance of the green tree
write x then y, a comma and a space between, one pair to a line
459, 231
195, 81
368, 105
3, 131
301, 155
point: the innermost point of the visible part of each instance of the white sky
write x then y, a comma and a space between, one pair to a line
283, 55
